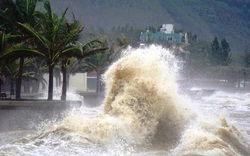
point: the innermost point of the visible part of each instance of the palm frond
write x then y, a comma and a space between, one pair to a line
14, 53
40, 38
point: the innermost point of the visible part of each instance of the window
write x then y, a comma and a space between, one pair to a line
160, 39
170, 38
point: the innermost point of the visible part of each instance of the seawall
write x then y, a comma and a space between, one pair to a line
38, 104
32, 114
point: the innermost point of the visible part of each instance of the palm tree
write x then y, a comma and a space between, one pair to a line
65, 61
99, 61
74, 51
35, 67
33, 74
88, 49
8, 50
19, 11
11, 72
3, 47
52, 40
11, 54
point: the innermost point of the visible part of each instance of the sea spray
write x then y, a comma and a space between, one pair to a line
141, 105
142, 93
142, 114
213, 137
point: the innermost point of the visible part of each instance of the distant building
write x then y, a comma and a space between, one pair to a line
165, 35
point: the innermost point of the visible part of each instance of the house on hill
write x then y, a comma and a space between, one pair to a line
165, 35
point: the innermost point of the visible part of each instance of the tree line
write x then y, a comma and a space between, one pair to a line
214, 61
37, 41
211, 61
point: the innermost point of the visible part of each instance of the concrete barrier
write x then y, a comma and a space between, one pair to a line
9, 104
29, 115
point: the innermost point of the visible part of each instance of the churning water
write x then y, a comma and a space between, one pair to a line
143, 114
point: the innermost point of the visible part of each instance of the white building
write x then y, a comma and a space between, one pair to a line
167, 28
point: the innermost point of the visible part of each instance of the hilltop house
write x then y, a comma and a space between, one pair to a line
165, 35
176, 42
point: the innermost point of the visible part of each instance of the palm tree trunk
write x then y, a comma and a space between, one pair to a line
0, 83
60, 81
50, 89
98, 82
19, 79
12, 87
64, 83
67, 80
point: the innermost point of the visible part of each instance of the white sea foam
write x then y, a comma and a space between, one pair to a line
142, 114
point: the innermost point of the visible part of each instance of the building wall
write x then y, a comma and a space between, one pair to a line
77, 82
160, 37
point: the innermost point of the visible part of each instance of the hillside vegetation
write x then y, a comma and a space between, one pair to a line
206, 18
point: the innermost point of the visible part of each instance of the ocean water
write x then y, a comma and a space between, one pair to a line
143, 113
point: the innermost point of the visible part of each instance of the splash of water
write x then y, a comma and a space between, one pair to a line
216, 137
142, 110
71, 95
141, 92
142, 104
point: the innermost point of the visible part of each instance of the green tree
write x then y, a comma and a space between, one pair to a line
52, 40
4, 46
19, 11
39, 68
220, 52
198, 58
98, 62
10, 51
246, 58
74, 51
88, 49
192, 38
33, 75
215, 52
11, 71
101, 60
225, 53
